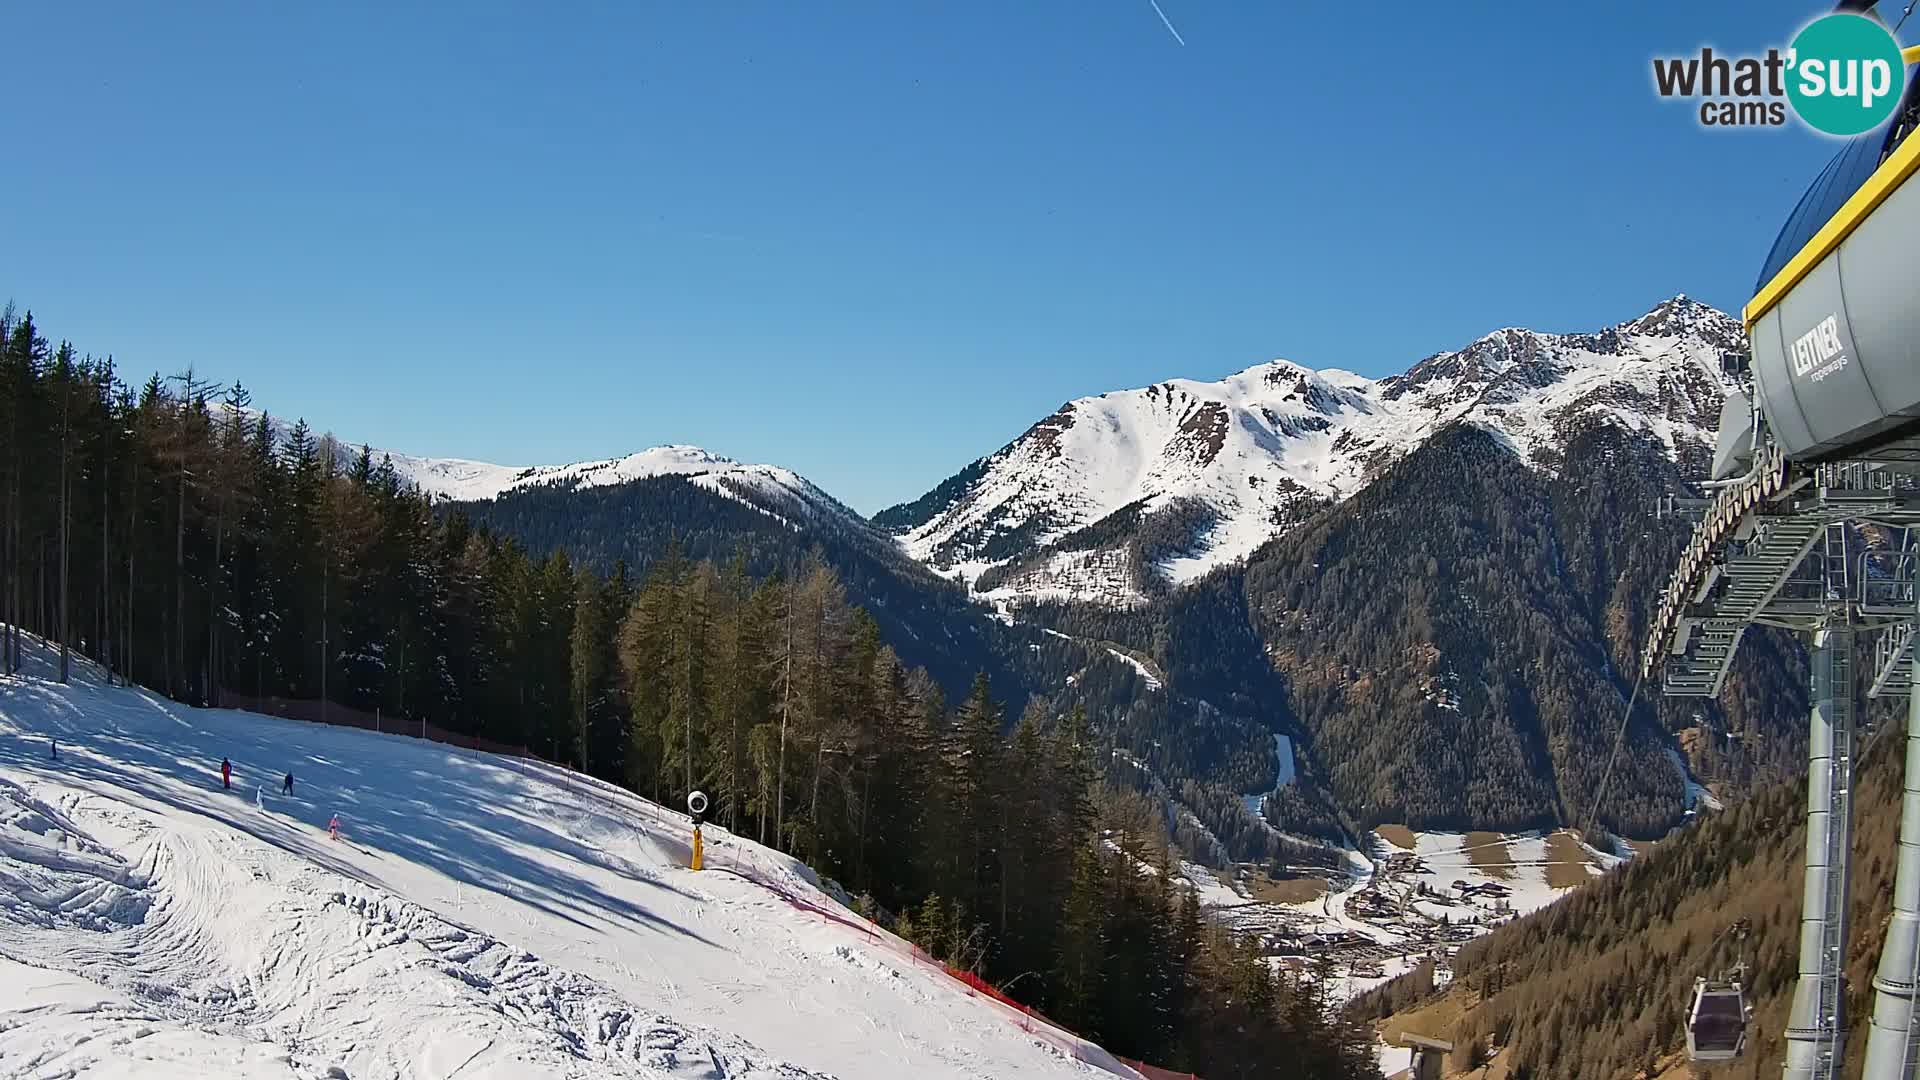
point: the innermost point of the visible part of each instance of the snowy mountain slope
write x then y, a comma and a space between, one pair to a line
480, 917
466, 481
781, 492
778, 492
1191, 475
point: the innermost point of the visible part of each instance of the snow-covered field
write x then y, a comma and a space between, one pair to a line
479, 917
1448, 859
1207, 887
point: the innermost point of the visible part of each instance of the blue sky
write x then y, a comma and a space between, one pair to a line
868, 240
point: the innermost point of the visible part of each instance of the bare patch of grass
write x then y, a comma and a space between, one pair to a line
1435, 1019
1287, 890
1567, 862
1398, 835
1489, 853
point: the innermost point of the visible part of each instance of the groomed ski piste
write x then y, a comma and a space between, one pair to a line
479, 917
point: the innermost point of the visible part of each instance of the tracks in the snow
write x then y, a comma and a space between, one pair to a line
193, 926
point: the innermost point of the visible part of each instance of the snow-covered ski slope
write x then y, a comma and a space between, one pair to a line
480, 917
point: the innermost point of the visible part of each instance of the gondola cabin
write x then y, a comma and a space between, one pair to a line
1717, 1023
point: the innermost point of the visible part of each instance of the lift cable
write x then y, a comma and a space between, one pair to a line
1619, 737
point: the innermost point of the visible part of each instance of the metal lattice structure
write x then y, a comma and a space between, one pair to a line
1740, 568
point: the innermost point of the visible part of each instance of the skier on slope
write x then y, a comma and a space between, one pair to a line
286, 786
226, 774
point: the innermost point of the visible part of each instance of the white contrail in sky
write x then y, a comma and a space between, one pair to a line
1169, 22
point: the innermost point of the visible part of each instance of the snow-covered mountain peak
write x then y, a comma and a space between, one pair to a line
679, 456
1679, 315
1224, 466
465, 481
1280, 382
778, 492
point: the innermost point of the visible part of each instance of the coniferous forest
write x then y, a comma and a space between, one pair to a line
195, 546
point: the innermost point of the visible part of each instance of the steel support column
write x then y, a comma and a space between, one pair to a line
1891, 1043
1816, 1028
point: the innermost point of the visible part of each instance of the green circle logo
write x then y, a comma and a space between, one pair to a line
1846, 75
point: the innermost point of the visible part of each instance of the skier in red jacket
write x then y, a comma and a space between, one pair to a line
226, 774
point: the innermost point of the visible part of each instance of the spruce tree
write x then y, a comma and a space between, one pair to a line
1081, 965
587, 647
